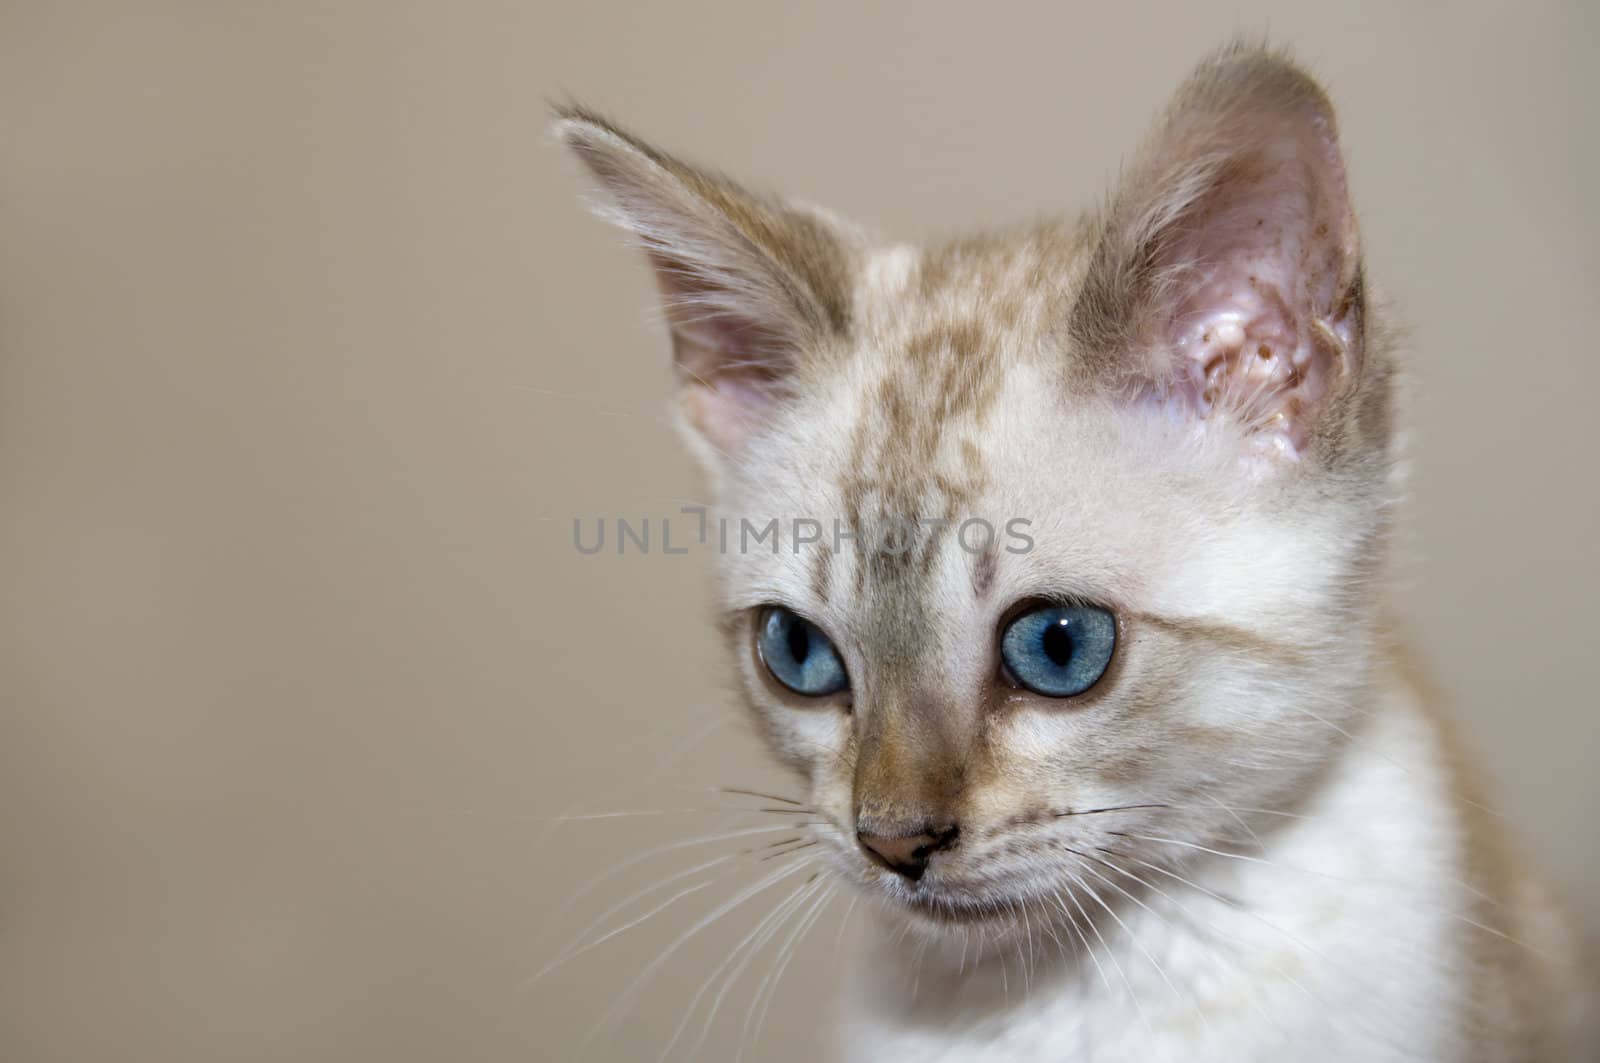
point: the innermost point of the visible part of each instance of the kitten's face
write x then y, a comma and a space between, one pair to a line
1159, 444
1235, 628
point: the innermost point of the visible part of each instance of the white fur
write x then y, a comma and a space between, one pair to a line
1344, 943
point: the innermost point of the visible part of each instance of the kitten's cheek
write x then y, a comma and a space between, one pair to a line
807, 738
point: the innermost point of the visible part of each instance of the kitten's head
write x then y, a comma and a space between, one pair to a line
1077, 524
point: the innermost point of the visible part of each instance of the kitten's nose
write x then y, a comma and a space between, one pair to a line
907, 854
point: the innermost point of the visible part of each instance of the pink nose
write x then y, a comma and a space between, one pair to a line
907, 854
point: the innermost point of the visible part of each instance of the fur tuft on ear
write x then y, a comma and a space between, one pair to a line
1226, 278
750, 284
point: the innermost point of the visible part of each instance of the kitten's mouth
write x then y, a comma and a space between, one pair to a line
956, 913
956, 909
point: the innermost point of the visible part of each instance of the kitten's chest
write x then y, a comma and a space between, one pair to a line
1217, 990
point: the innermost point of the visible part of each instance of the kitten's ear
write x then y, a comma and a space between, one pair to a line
1227, 276
751, 285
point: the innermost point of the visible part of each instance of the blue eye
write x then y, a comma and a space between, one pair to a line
798, 654
1059, 650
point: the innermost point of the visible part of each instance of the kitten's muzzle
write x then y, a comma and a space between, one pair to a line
907, 855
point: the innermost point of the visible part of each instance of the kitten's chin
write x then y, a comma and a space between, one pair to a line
944, 911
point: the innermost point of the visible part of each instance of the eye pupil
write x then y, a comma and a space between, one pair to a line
1058, 642
799, 642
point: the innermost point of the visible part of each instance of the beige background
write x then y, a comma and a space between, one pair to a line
308, 357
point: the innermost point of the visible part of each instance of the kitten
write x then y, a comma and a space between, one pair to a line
1151, 779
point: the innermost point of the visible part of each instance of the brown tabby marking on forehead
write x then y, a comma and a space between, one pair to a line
945, 385
973, 308
976, 307
1009, 273
822, 571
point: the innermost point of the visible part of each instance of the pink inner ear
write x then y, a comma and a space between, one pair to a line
724, 398
726, 410
730, 362
1263, 262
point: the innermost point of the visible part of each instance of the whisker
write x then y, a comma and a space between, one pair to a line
667, 761
624, 1000
1072, 924
1260, 847
1049, 928
1005, 979
743, 953
567, 956
1228, 902
1094, 928
1502, 935
1095, 895
786, 852
1208, 948
782, 841
1204, 849
567, 953
758, 793
1097, 811
638, 858
1139, 944
1442, 909
626, 813
844, 921
1027, 933
916, 968
786, 953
